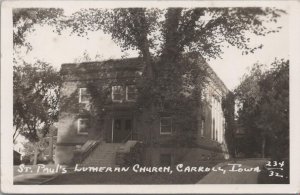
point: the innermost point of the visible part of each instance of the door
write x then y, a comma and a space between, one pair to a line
121, 130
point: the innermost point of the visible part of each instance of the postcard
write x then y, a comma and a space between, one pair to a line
150, 97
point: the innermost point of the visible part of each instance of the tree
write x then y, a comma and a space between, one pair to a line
36, 95
41, 151
263, 111
275, 108
24, 20
36, 87
248, 96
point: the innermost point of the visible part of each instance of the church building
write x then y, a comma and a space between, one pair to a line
118, 136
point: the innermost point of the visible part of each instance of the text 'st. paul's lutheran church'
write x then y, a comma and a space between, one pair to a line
119, 137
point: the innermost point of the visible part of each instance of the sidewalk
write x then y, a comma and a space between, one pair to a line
234, 177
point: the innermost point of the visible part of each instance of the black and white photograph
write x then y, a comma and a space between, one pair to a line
145, 93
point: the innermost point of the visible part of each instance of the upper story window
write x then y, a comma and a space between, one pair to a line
120, 93
165, 125
84, 96
131, 92
205, 94
82, 126
117, 93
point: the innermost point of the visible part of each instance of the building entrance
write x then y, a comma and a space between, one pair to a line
121, 130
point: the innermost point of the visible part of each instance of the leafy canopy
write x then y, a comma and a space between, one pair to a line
36, 94
24, 20
263, 106
174, 30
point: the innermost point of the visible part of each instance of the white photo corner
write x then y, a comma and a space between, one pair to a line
126, 94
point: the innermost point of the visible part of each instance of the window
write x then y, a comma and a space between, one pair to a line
131, 92
204, 94
202, 128
165, 125
84, 96
117, 93
165, 159
83, 125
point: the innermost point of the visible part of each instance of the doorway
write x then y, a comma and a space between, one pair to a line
121, 130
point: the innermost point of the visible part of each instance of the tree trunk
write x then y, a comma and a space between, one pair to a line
149, 67
35, 153
51, 147
141, 36
263, 146
172, 48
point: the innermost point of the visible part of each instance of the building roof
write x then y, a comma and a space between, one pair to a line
115, 64
213, 75
131, 64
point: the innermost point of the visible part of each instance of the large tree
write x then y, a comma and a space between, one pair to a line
35, 86
263, 110
36, 95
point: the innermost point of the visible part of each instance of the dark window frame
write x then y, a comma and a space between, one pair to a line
171, 125
79, 125
135, 92
113, 94
86, 95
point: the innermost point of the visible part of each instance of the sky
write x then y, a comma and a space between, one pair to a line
65, 48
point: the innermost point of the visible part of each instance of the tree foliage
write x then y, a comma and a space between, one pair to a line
36, 94
263, 98
39, 152
174, 30
24, 20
